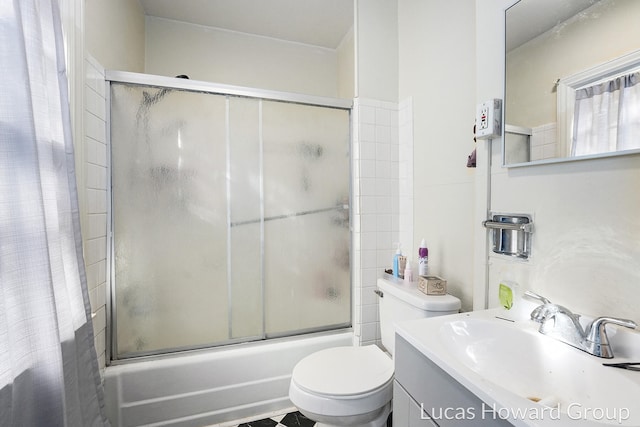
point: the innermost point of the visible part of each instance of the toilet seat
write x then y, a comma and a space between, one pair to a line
344, 371
343, 381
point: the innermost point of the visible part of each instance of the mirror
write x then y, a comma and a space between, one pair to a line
553, 48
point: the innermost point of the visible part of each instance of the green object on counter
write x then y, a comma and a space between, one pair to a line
506, 296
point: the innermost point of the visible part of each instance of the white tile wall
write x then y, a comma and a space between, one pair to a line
383, 201
544, 142
95, 186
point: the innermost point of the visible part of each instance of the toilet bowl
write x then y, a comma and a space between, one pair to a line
353, 386
344, 386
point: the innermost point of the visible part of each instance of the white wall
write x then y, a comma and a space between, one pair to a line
222, 56
410, 156
437, 69
114, 33
375, 158
377, 49
346, 66
586, 244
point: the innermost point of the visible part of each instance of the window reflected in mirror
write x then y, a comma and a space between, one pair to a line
606, 116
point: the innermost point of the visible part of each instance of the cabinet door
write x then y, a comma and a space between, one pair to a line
401, 402
406, 411
417, 417
441, 394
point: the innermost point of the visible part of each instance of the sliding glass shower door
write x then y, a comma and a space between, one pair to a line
230, 218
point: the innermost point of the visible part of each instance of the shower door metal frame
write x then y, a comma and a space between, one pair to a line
126, 77
224, 89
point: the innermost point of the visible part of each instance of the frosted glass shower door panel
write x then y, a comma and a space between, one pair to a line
169, 218
306, 197
246, 225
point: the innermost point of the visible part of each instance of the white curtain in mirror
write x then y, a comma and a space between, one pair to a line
606, 117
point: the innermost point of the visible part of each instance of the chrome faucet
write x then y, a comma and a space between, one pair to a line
560, 323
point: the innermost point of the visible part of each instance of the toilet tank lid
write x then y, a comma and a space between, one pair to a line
409, 293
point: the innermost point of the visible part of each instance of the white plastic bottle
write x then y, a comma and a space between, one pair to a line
408, 273
423, 259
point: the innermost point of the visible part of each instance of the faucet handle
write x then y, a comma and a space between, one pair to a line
538, 297
597, 327
597, 334
538, 314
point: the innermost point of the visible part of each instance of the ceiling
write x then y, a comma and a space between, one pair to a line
530, 18
325, 22
314, 22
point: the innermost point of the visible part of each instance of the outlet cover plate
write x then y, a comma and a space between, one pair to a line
489, 119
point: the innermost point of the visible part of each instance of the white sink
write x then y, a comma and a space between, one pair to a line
531, 377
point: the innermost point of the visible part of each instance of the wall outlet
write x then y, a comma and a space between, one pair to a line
489, 119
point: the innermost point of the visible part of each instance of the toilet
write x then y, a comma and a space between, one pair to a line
353, 386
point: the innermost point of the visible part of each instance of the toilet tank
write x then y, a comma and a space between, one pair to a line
399, 301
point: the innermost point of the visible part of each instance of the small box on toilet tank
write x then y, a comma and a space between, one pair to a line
432, 285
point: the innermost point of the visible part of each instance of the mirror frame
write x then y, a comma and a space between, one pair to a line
565, 88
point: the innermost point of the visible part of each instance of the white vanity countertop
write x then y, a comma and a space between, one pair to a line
504, 362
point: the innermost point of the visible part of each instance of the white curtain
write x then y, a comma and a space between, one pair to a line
48, 367
607, 116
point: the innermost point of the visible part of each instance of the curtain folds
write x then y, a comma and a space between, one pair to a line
49, 373
606, 117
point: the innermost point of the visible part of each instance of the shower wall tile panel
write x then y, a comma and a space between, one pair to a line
95, 188
544, 142
376, 198
383, 201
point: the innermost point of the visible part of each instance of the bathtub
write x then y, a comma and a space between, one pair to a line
209, 387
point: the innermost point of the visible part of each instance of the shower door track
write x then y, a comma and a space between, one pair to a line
223, 89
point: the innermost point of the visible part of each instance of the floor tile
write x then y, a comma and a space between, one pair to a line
292, 419
267, 422
296, 419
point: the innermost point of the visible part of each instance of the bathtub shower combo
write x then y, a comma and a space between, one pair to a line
230, 224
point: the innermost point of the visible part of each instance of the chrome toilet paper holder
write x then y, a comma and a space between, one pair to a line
511, 234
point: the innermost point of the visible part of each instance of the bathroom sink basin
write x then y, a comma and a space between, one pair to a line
510, 365
537, 367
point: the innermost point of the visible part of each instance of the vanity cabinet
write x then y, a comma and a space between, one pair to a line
424, 395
